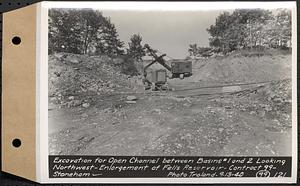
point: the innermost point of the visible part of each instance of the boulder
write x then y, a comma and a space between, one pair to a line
132, 102
131, 98
86, 105
73, 103
157, 111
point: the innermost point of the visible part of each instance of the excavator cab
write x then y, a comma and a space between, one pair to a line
156, 80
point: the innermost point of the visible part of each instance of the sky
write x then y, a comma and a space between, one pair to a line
169, 32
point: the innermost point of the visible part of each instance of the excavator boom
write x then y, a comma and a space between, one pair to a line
158, 59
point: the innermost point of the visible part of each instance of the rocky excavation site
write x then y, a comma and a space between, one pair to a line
238, 104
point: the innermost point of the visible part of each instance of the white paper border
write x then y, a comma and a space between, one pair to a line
42, 90
42, 93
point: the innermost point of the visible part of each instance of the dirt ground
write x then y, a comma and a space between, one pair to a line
209, 121
232, 105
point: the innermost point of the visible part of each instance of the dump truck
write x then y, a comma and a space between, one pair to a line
181, 69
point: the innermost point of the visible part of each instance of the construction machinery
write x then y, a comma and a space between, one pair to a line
157, 79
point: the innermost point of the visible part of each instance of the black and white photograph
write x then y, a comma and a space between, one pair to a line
178, 83
170, 83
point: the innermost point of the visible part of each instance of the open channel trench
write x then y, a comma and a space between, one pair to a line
195, 89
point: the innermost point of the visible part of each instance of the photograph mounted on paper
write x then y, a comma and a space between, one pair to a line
171, 91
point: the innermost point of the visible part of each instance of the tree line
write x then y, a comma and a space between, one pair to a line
247, 28
87, 31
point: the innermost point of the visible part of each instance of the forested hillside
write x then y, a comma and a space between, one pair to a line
247, 29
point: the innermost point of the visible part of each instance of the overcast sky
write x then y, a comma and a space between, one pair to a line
168, 31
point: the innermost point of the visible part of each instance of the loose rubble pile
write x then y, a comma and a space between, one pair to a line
74, 80
272, 101
240, 68
208, 128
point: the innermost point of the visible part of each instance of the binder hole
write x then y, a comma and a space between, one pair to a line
16, 40
16, 142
